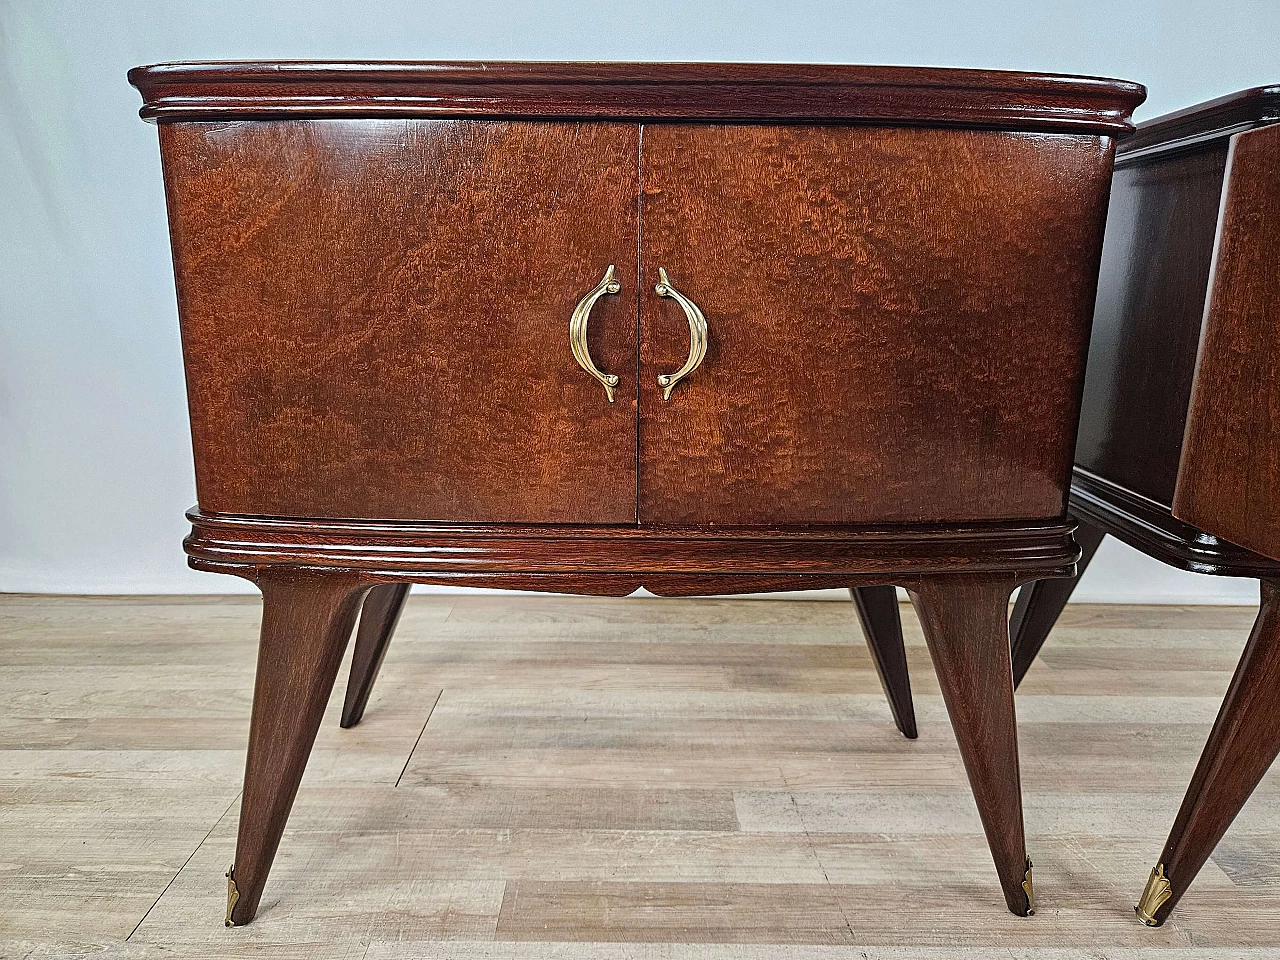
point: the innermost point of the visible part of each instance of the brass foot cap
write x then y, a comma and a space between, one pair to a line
1154, 895
233, 895
1029, 890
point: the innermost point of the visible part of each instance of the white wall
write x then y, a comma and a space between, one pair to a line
94, 455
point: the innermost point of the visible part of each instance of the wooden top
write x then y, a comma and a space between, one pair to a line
633, 91
1210, 120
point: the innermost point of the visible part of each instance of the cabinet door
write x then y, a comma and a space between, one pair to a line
897, 321
375, 316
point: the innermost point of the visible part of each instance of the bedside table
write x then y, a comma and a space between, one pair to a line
701, 328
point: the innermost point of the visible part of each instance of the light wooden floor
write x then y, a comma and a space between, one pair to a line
607, 779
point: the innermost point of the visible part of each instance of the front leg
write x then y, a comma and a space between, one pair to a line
306, 621
1242, 746
965, 620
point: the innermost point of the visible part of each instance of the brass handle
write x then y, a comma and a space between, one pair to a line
578, 330
697, 334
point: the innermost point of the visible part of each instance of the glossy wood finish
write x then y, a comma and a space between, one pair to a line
375, 312
882, 626
306, 621
1147, 525
704, 91
378, 618
1242, 746
1040, 603
965, 624
1229, 480
871, 353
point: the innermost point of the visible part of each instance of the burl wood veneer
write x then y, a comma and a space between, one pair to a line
586, 328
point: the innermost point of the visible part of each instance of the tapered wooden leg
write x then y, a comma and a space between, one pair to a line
1039, 605
965, 623
882, 626
1241, 747
378, 618
306, 621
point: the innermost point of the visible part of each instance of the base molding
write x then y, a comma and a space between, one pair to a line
1150, 527
617, 560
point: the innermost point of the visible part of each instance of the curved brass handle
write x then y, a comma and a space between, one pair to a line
697, 334
578, 330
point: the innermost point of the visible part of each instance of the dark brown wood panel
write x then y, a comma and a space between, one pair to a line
1229, 481
898, 321
1146, 329
375, 316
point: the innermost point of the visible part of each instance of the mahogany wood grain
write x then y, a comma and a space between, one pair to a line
306, 621
965, 624
378, 618
636, 91
1229, 479
1243, 744
1041, 602
375, 316
882, 626
895, 335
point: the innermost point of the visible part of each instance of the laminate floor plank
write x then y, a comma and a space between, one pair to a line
613, 779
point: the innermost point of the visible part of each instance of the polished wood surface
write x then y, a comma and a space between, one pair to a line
1212, 120
718, 775
1146, 327
882, 627
1229, 481
1147, 525
873, 353
374, 317
629, 557
705, 91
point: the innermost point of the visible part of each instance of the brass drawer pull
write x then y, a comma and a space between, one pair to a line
697, 334
578, 330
